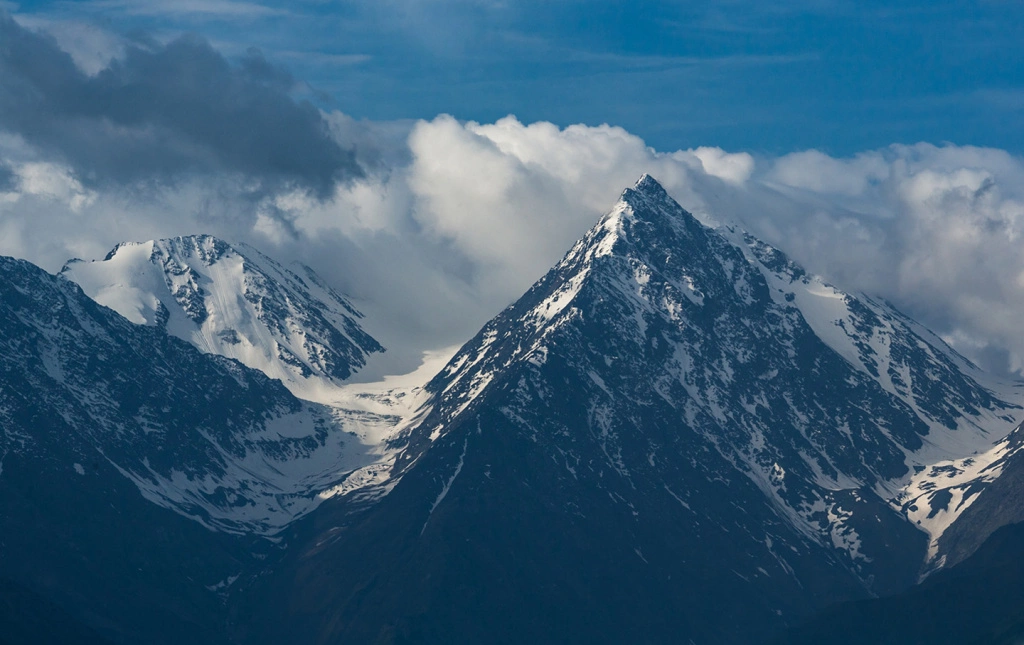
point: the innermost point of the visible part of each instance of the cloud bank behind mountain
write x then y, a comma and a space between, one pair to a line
437, 224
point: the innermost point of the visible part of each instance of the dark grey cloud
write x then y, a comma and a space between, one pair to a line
8, 180
162, 111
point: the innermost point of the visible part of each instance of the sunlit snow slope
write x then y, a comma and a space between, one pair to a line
236, 302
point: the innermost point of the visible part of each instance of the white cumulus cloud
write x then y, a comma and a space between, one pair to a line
451, 221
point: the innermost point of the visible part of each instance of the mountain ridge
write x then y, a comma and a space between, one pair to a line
236, 302
649, 416
675, 434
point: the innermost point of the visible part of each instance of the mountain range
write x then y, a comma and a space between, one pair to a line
676, 435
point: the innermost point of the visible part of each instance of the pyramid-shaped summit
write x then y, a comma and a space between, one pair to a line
648, 199
647, 222
667, 425
647, 186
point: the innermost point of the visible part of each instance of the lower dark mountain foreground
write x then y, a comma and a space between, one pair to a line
675, 436
978, 602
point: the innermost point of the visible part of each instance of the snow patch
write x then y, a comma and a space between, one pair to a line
447, 485
939, 494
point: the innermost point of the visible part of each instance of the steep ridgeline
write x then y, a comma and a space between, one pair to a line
121, 447
675, 436
235, 302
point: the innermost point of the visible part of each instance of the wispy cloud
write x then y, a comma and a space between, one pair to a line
221, 8
323, 58
641, 61
1003, 98
90, 46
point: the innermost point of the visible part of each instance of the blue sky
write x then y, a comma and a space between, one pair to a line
766, 77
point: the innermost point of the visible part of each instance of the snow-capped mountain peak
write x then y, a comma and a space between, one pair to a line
236, 302
645, 205
826, 401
